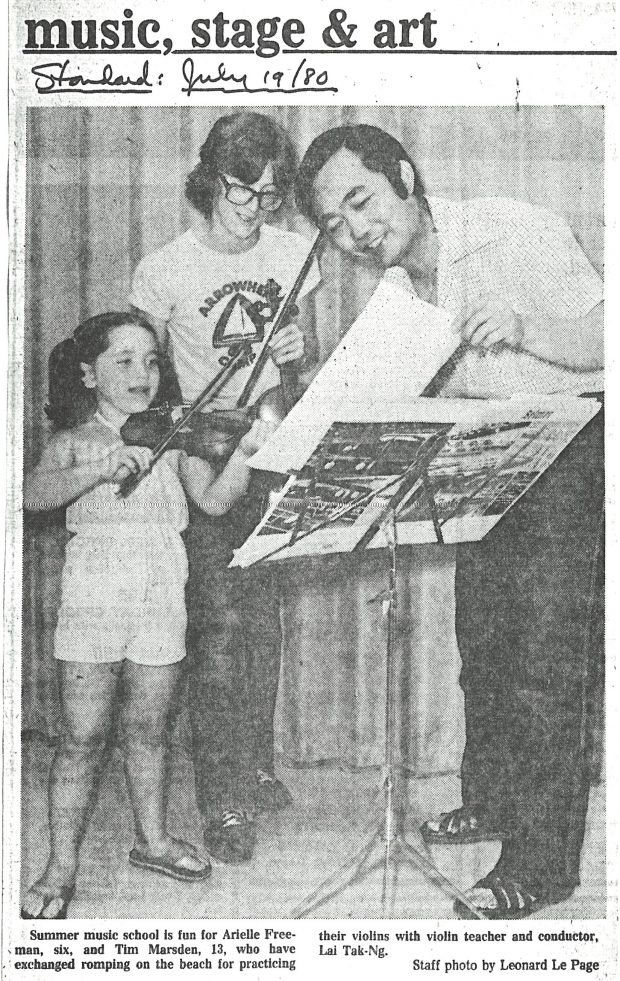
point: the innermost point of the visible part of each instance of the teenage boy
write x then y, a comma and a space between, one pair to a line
204, 292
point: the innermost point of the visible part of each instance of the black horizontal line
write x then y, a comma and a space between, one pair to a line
314, 51
247, 91
110, 91
217, 51
91, 51
435, 51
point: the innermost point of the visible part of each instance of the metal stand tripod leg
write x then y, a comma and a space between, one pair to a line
386, 847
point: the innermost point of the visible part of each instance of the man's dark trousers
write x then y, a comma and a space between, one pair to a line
529, 619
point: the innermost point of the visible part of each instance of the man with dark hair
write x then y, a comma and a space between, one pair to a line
528, 597
205, 292
376, 149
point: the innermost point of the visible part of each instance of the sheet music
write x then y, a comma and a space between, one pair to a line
408, 338
480, 459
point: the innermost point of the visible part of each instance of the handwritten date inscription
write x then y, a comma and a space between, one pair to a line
291, 81
60, 76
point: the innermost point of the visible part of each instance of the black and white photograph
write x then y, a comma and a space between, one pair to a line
402, 731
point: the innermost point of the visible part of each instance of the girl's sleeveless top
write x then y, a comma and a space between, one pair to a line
157, 501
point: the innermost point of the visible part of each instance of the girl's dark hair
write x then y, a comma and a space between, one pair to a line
241, 145
376, 149
70, 402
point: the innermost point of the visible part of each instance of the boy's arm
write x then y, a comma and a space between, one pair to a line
297, 343
57, 479
159, 325
305, 322
150, 296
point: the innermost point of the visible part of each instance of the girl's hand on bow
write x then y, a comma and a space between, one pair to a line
121, 461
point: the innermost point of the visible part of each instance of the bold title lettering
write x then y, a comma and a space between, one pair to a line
240, 33
386, 36
266, 37
45, 35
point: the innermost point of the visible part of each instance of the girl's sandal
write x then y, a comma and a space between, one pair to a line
179, 867
459, 827
500, 896
62, 896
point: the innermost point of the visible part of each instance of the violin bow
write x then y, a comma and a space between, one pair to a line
283, 312
240, 357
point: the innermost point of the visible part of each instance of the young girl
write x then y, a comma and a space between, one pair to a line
121, 625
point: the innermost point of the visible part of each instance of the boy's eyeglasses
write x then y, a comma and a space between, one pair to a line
268, 200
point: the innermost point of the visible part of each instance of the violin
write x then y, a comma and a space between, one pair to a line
214, 434
211, 435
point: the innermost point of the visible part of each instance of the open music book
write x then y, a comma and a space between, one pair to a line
362, 434
393, 350
465, 462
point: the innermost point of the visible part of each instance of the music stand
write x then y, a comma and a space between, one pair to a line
505, 447
386, 847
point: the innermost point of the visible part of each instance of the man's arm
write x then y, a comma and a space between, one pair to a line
574, 343
556, 292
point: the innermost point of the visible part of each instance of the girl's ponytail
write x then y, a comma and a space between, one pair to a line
70, 402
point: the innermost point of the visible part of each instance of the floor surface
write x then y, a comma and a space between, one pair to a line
334, 812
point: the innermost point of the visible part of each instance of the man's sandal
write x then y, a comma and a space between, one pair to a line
178, 867
500, 896
54, 903
459, 827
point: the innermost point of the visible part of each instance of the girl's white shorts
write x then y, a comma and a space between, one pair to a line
123, 596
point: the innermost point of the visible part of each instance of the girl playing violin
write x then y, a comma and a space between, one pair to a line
121, 624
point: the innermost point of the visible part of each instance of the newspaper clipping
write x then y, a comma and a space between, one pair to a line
305, 634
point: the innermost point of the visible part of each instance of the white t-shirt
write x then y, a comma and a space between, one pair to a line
211, 301
498, 248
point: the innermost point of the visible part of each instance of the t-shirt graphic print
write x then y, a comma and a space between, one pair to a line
211, 301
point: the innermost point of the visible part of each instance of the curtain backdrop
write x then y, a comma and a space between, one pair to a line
104, 188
